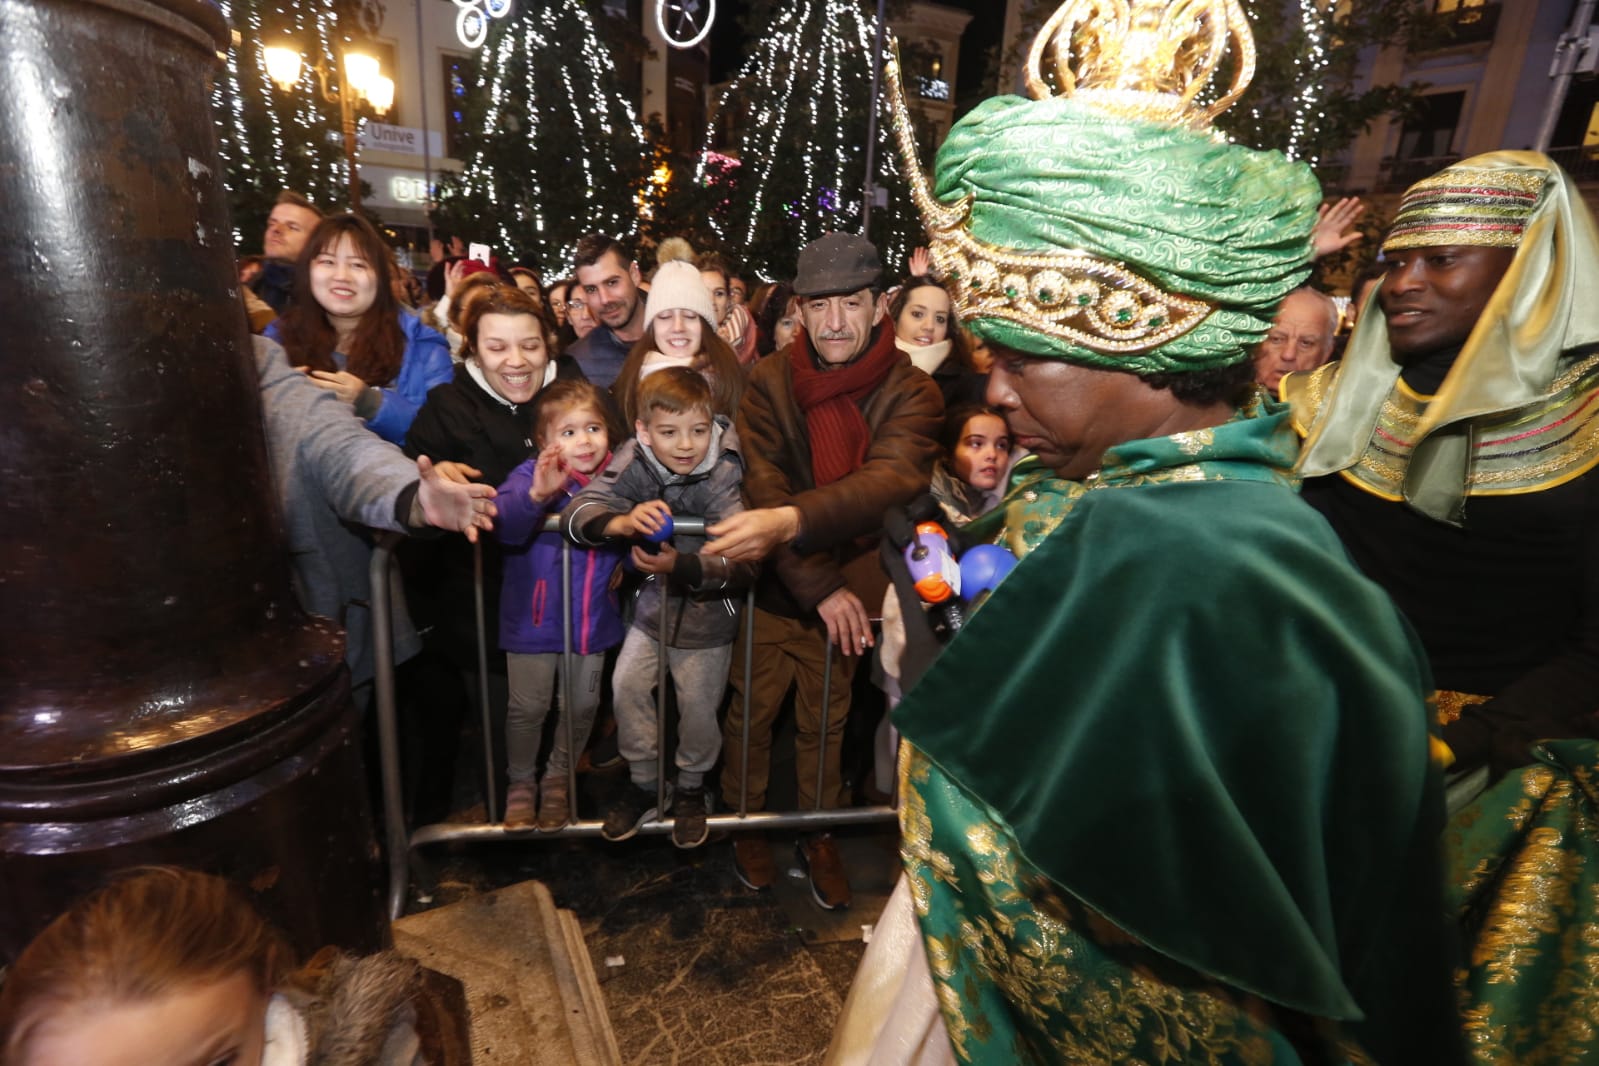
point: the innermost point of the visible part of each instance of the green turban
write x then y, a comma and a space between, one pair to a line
1182, 208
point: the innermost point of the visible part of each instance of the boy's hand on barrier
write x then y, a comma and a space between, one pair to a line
660, 561
750, 536
848, 625
549, 475
649, 517
446, 504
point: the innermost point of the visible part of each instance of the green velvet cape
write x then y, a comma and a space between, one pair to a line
1193, 716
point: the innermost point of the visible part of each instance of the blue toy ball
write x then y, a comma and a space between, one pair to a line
662, 534
983, 567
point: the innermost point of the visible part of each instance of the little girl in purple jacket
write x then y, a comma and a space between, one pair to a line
574, 443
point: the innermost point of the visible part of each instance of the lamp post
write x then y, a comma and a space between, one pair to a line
359, 79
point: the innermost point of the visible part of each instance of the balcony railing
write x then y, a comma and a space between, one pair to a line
1400, 174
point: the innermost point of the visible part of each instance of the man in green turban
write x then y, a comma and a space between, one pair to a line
1167, 795
1453, 450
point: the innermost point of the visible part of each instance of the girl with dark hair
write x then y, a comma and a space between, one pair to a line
926, 330
345, 329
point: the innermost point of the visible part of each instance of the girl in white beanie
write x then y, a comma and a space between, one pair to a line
680, 331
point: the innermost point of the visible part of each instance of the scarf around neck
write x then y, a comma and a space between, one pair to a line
831, 399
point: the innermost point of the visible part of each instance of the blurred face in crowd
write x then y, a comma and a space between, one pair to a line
287, 228
925, 317
610, 287
577, 313
210, 1023
982, 451
1432, 297
840, 326
511, 352
343, 282
738, 290
717, 285
581, 433
678, 332
558, 304
530, 285
1300, 338
680, 441
785, 328
1069, 415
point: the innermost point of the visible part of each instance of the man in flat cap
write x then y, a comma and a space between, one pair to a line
838, 428
1453, 450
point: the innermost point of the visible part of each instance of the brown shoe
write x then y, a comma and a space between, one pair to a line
519, 806
554, 808
829, 885
752, 861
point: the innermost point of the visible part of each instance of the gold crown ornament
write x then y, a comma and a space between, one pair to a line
1147, 60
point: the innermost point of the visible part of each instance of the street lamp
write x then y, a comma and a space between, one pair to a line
359, 79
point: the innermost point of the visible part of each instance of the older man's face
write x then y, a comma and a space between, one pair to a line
840, 326
1301, 338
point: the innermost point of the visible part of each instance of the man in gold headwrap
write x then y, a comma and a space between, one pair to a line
1167, 795
1453, 451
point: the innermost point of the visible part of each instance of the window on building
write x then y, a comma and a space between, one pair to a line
1431, 134
457, 74
1466, 21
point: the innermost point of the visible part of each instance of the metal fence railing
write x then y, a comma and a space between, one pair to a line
403, 841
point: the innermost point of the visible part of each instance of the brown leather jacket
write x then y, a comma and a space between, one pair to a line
840, 523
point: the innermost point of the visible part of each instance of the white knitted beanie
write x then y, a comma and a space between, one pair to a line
678, 284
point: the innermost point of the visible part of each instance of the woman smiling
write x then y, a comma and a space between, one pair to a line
344, 328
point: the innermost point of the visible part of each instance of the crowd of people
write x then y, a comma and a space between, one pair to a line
1274, 740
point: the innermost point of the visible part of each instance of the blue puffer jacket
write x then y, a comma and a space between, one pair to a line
531, 607
426, 363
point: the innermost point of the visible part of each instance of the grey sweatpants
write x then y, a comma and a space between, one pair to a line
533, 683
700, 677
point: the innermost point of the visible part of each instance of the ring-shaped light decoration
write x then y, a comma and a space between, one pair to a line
679, 21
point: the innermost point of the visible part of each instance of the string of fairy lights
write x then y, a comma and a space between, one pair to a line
1310, 62
571, 119
807, 78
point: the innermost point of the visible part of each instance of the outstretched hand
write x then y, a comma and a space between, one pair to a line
921, 263
750, 536
1334, 230
447, 504
549, 474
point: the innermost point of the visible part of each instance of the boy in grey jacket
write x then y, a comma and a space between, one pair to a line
684, 460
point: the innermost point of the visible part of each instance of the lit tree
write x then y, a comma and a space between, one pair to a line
272, 140
552, 149
800, 104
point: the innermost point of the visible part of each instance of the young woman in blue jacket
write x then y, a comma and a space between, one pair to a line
344, 328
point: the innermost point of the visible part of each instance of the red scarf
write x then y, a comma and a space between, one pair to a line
831, 399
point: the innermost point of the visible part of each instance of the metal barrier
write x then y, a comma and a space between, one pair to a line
402, 843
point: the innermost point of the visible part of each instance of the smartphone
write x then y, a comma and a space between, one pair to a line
480, 252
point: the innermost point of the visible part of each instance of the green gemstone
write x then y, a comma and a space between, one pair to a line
1123, 317
1045, 296
1157, 321
1010, 291
1083, 300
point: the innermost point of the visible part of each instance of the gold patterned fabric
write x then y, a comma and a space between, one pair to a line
1466, 205
1546, 443
1027, 974
1525, 885
1517, 358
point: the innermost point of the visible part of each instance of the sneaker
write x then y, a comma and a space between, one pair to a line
519, 805
752, 861
829, 885
689, 808
554, 810
631, 809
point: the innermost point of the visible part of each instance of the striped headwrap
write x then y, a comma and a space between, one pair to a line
1467, 204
